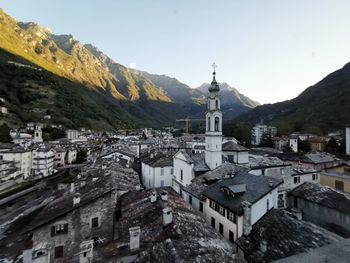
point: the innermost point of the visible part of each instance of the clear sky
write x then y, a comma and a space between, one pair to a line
270, 50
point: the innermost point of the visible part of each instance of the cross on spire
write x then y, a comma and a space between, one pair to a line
214, 66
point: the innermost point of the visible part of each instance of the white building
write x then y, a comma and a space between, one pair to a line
8, 170
3, 110
20, 156
71, 156
157, 170
259, 131
347, 139
72, 134
233, 205
293, 144
213, 134
235, 153
38, 134
43, 161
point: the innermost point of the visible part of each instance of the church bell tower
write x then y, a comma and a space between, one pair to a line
213, 134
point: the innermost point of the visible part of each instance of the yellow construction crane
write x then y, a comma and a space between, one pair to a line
187, 120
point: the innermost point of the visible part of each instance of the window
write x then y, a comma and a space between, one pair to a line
200, 206
230, 158
314, 176
267, 205
339, 185
59, 252
346, 170
296, 179
221, 229
231, 236
59, 229
232, 217
172, 171
94, 222
208, 123
221, 211
295, 202
190, 199
213, 222
162, 171
216, 104
181, 175
216, 123
161, 183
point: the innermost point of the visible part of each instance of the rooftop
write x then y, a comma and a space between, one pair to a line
278, 235
323, 195
233, 147
186, 239
256, 188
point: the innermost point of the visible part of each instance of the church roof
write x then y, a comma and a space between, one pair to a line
214, 86
233, 147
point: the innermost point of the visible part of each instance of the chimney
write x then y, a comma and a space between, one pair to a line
82, 183
153, 196
76, 199
247, 217
94, 179
134, 238
72, 188
167, 216
164, 196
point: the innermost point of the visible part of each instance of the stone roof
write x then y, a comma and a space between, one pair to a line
336, 252
256, 188
186, 239
323, 195
197, 159
278, 235
200, 183
257, 161
233, 147
158, 159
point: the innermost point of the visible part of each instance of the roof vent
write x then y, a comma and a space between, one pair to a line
153, 196
76, 199
167, 216
164, 196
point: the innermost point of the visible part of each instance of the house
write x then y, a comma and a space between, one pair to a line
71, 155
157, 169
293, 176
8, 171
233, 205
159, 226
337, 177
60, 157
293, 144
234, 152
317, 161
120, 152
60, 230
21, 156
265, 165
43, 161
317, 144
261, 131
280, 143
322, 206
278, 235
186, 167
322, 254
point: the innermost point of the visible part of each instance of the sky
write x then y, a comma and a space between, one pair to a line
269, 50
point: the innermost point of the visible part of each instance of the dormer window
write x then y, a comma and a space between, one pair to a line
59, 229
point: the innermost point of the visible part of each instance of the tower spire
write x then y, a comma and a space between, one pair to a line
214, 85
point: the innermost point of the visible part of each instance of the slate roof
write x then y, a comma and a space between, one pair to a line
198, 160
256, 188
322, 195
233, 147
200, 183
186, 239
158, 159
257, 161
278, 235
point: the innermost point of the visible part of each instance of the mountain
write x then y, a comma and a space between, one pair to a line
322, 107
233, 103
133, 97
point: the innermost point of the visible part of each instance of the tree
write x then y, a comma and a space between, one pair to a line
81, 156
304, 146
5, 133
332, 146
266, 141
